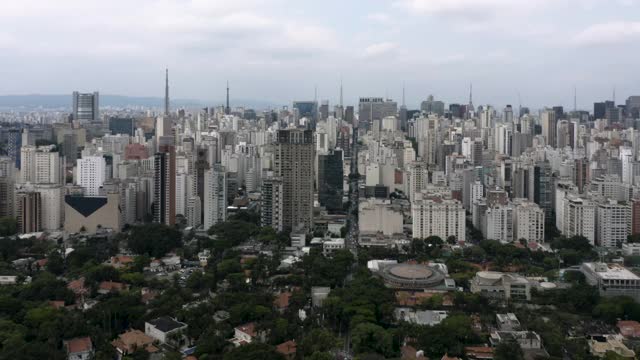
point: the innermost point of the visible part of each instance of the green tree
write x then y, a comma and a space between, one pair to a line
509, 350
318, 340
371, 338
154, 239
253, 351
8, 226
55, 262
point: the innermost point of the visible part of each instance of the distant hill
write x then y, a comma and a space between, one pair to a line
64, 101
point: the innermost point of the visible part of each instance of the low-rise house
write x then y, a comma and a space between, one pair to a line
203, 257
600, 345
508, 322
78, 287
8, 280
281, 302
478, 352
131, 341
108, 287
246, 334
420, 317
120, 261
166, 330
526, 339
79, 348
287, 349
629, 328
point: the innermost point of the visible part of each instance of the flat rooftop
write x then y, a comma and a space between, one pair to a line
613, 271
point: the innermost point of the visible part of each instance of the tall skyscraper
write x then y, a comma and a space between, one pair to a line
294, 158
215, 195
330, 179
549, 126
164, 190
86, 106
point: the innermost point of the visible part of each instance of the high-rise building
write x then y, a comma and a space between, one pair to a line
528, 222
86, 106
7, 186
272, 203
293, 163
579, 218
215, 195
370, 109
438, 217
194, 212
28, 164
541, 187
91, 174
330, 180
500, 223
28, 212
431, 106
549, 128
613, 223
48, 166
164, 198
119, 125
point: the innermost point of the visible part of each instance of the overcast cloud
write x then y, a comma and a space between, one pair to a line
279, 50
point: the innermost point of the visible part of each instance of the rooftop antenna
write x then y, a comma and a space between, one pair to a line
614, 94
166, 92
341, 104
403, 99
315, 93
575, 99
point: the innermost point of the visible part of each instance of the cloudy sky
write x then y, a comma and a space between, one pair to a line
278, 50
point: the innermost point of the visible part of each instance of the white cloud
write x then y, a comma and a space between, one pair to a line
379, 49
608, 33
379, 17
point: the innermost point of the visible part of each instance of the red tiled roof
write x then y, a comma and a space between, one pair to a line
112, 286
57, 304
282, 300
249, 329
287, 348
78, 345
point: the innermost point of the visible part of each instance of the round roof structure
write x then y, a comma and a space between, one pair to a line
411, 276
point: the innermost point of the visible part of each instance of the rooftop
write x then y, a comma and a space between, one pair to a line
166, 324
611, 271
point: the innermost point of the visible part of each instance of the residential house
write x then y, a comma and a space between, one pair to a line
287, 349
79, 348
629, 328
166, 330
133, 340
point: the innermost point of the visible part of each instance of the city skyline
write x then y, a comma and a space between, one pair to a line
503, 47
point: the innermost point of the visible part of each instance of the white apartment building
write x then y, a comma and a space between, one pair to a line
579, 218
91, 173
500, 223
613, 223
215, 196
439, 217
529, 222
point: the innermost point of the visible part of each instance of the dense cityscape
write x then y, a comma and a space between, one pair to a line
319, 180
367, 231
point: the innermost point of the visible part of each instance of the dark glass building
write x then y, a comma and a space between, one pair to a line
330, 178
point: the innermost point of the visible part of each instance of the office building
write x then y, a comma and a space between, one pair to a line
549, 127
293, 163
612, 280
330, 180
370, 109
164, 207
7, 186
86, 106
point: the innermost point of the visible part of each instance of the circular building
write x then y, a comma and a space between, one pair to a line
411, 276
